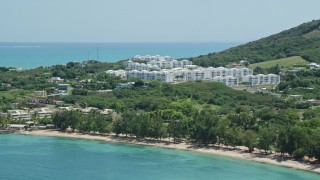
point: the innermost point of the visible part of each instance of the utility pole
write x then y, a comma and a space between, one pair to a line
97, 53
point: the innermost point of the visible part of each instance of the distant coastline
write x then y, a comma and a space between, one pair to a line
32, 55
238, 153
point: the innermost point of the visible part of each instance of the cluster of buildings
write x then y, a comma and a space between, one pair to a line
45, 112
156, 64
59, 91
27, 114
167, 69
151, 58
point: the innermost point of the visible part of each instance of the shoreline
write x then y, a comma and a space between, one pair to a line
223, 151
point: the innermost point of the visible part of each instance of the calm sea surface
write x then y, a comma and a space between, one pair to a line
31, 157
30, 55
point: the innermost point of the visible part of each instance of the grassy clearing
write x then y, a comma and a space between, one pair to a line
285, 62
313, 34
13, 95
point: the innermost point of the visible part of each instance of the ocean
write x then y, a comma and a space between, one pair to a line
31, 55
34, 157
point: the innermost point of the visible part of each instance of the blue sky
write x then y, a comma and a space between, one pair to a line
150, 20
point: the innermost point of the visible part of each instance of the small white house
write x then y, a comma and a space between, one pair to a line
40, 93
313, 66
56, 79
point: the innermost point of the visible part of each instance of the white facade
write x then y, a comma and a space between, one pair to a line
224, 72
130, 65
119, 73
165, 64
262, 79
228, 80
19, 114
150, 58
230, 77
27, 115
163, 75
43, 112
18, 127
225, 75
156, 65
106, 112
167, 69
190, 75
125, 85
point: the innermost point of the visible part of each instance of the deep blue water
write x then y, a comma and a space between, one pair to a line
31, 157
30, 55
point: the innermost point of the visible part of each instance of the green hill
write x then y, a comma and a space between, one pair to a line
303, 40
288, 62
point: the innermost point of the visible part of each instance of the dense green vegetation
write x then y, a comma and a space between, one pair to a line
298, 41
94, 121
159, 95
305, 83
266, 128
16, 84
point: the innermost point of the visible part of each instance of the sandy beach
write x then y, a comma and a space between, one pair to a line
238, 153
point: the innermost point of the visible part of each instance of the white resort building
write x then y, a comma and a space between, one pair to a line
163, 75
262, 79
19, 114
228, 80
166, 69
43, 112
27, 114
155, 63
119, 73
150, 58
130, 65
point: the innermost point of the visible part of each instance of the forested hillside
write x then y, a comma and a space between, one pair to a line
303, 40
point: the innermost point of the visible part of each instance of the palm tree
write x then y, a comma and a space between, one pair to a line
35, 117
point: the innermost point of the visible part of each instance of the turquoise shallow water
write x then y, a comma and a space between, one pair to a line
30, 55
29, 157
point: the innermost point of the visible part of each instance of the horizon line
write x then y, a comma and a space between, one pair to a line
124, 41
